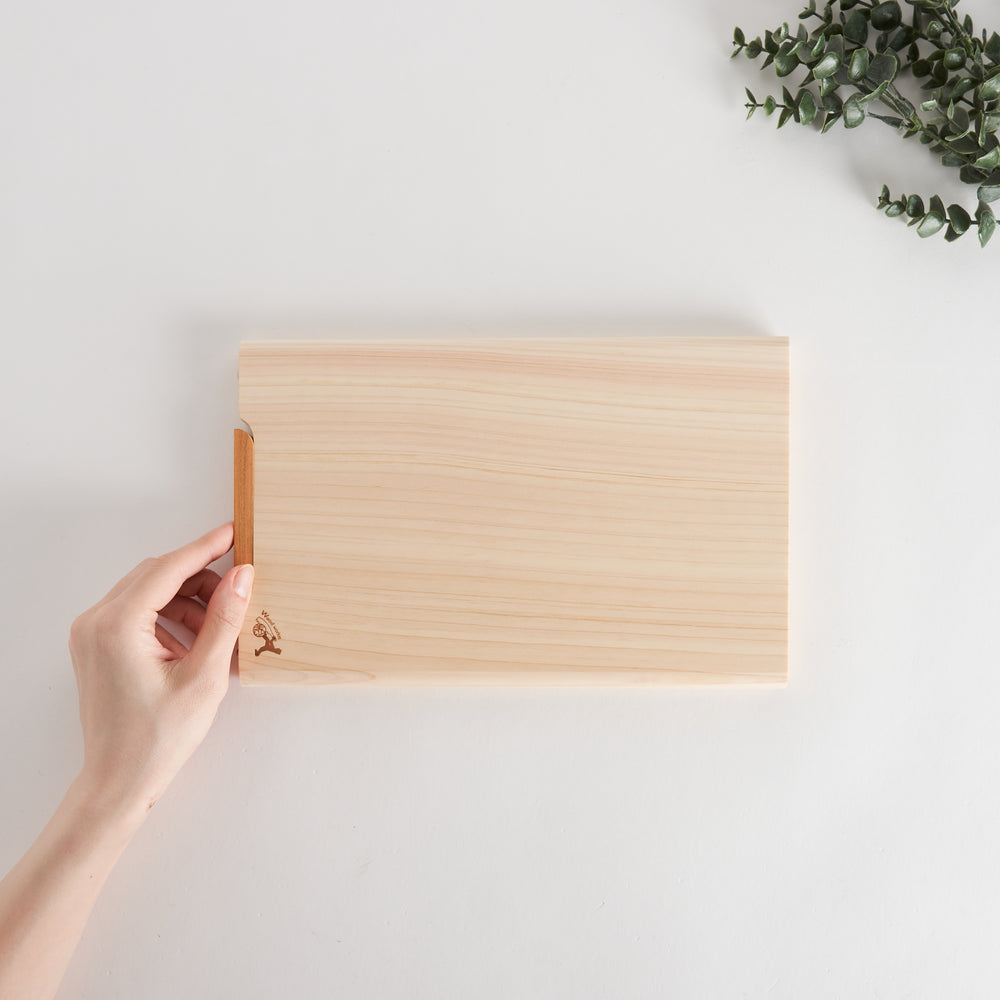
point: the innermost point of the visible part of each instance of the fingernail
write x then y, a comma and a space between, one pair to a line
243, 581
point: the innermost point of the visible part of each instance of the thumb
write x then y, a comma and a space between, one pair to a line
213, 648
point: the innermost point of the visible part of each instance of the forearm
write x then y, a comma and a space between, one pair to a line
46, 898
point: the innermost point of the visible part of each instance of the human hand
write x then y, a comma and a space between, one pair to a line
146, 701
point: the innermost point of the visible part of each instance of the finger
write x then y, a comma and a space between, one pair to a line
161, 578
186, 612
169, 642
204, 581
202, 585
213, 648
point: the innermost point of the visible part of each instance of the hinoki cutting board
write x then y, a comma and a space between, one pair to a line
554, 512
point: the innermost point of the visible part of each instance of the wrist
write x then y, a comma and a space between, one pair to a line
98, 806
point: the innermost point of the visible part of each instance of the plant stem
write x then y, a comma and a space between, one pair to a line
958, 33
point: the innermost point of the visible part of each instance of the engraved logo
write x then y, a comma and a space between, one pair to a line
265, 629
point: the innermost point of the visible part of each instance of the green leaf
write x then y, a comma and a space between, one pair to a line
954, 59
832, 118
930, 224
966, 145
884, 67
750, 97
952, 234
769, 105
990, 191
806, 107
988, 162
875, 94
896, 208
754, 49
961, 123
960, 219
987, 223
738, 37
858, 65
951, 159
884, 197
990, 90
915, 206
888, 119
992, 49
785, 61
886, 16
786, 113
934, 29
835, 43
809, 11
854, 113
827, 66
962, 87
856, 27
901, 38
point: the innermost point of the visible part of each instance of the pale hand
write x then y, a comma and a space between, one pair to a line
146, 701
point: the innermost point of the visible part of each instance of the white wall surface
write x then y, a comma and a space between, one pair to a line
175, 178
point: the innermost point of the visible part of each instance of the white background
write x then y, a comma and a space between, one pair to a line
177, 177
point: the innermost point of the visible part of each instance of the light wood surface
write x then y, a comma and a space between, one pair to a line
557, 512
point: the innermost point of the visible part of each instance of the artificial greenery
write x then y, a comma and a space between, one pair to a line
854, 54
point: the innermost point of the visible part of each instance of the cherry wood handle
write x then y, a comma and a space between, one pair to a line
242, 496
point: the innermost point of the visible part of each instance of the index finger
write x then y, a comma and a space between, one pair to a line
157, 581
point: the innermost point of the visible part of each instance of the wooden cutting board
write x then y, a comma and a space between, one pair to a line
507, 512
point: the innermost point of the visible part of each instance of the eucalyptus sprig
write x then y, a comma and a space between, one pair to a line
854, 54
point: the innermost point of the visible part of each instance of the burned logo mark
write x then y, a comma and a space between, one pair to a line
265, 629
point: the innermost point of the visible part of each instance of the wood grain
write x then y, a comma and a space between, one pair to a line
242, 497
558, 512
